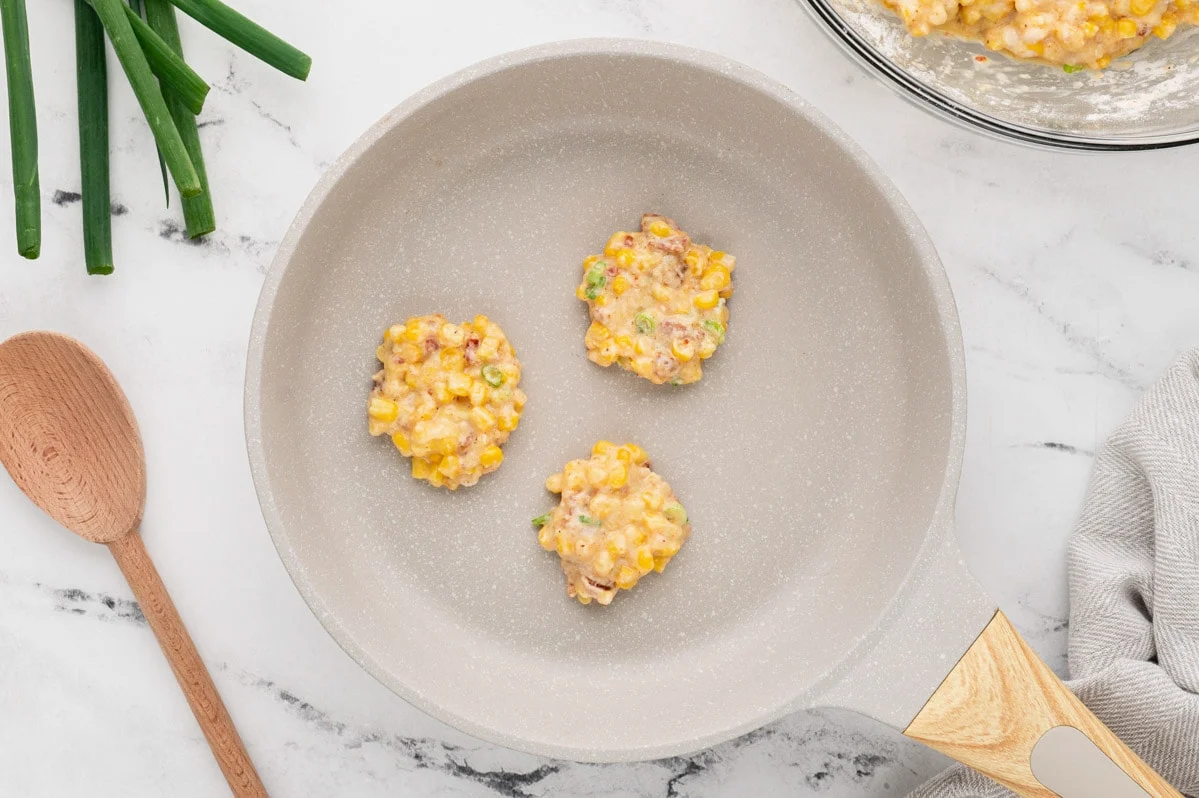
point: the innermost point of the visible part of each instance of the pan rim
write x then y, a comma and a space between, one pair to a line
939, 535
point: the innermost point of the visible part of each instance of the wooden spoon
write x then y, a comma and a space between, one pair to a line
69, 440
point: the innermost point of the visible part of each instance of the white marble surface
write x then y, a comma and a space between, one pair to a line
1077, 278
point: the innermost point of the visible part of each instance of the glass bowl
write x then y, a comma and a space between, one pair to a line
1146, 100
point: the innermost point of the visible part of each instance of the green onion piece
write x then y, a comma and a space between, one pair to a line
675, 514
644, 323
138, 11
248, 35
591, 293
589, 521
595, 277
168, 65
493, 376
91, 78
1069, 68
541, 520
22, 122
165, 63
197, 211
716, 328
116, 23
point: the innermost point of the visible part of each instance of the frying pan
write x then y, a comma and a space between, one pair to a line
818, 458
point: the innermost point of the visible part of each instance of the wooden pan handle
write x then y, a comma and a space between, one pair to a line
180, 651
997, 707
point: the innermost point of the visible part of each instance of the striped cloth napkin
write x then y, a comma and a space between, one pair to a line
1134, 590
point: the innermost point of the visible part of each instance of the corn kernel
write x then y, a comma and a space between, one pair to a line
443, 446
581, 293
627, 578
602, 447
421, 468
442, 394
597, 333
453, 359
625, 258
1089, 29
618, 476
693, 259
590, 261
601, 300
563, 546
684, 351
553, 483
623, 342
483, 420
1102, 63
641, 346
615, 244
596, 475
458, 384
604, 563
402, 444
451, 335
620, 284
617, 545
606, 354
584, 599
715, 278
602, 505
1141, 7
652, 500
660, 293
645, 560
508, 421
450, 465
545, 536
660, 228
706, 300
1126, 29
491, 456
383, 409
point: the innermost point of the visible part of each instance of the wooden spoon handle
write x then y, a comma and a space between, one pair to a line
210, 712
1003, 712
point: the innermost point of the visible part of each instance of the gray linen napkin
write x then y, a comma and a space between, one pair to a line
1134, 590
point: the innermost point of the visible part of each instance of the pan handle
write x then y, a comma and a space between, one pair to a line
1003, 712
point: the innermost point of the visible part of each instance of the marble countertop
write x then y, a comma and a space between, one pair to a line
1077, 279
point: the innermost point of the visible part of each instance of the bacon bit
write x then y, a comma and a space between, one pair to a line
471, 345
598, 585
431, 345
982, 59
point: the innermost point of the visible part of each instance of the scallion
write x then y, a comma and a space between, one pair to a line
91, 77
145, 88
198, 214
248, 35
22, 122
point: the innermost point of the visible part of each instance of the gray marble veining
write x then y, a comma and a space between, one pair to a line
1076, 278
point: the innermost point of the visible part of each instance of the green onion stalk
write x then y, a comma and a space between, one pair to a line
22, 122
198, 215
91, 77
116, 23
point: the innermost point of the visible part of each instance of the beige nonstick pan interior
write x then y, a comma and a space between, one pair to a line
818, 457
